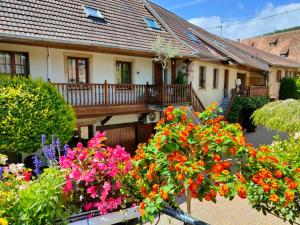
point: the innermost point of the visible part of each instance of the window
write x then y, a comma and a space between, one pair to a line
216, 78
93, 12
202, 77
286, 73
78, 70
14, 63
123, 72
278, 76
273, 42
193, 37
219, 44
152, 23
295, 74
284, 53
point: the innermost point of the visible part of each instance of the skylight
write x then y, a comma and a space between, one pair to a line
219, 44
152, 23
93, 12
193, 37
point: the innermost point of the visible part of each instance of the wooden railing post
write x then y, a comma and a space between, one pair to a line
105, 93
162, 94
190, 92
146, 98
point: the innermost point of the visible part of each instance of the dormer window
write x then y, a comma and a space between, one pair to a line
253, 44
273, 42
193, 37
152, 23
284, 53
93, 12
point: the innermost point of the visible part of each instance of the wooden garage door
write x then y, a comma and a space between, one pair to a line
126, 137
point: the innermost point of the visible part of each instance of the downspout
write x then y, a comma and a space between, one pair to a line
49, 65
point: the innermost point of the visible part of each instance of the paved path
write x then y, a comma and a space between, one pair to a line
236, 212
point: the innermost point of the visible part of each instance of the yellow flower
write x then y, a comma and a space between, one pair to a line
3, 221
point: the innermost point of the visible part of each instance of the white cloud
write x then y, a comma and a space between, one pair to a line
186, 4
237, 29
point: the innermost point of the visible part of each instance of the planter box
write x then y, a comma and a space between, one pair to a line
111, 218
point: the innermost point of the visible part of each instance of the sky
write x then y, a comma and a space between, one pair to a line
240, 19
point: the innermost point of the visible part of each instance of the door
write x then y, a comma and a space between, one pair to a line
157, 73
226, 84
242, 77
125, 137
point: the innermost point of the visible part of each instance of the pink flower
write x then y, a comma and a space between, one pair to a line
79, 145
68, 186
92, 191
88, 206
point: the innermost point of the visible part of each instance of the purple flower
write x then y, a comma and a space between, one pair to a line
51, 153
1, 172
43, 139
53, 140
37, 165
58, 144
66, 148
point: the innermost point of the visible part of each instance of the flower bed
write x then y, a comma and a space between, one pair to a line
200, 161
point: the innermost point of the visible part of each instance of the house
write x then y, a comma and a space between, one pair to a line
283, 43
99, 55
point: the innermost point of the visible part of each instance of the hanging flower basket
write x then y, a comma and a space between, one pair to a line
94, 218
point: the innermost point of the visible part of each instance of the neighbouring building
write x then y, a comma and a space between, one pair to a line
99, 55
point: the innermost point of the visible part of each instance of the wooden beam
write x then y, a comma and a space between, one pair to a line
106, 120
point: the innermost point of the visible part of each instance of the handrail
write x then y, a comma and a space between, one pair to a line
196, 102
232, 99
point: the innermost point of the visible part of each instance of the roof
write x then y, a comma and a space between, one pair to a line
124, 27
242, 54
65, 20
288, 41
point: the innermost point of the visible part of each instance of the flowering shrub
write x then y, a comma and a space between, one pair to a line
210, 159
94, 174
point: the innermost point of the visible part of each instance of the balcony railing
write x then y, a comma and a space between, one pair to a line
253, 91
97, 95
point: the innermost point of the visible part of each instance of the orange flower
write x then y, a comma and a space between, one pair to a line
180, 177
218, 140
266, 188
205, 149
201, 163
224, 190
170, 117
241, 178
274, 198
232, 150
278, 174
217, 158
200, 178
155, 188
264, 149
298, 170
293, 185
183, 118
289, 196
164, 195
144, 191
252, 153
242, 192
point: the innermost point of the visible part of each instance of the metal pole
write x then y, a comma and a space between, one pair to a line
182, 217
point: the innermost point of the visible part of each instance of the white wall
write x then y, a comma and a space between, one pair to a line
210, 94
102, 66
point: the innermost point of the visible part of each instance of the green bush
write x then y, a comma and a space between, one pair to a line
42, 202
242, 103
28, 109
280, 115
288, 89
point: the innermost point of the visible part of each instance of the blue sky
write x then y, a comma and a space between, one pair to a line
233, 13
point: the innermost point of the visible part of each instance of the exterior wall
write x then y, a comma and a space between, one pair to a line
102, 66
210, 94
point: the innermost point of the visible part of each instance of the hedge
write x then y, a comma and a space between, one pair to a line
289, 89
28, 109
242, 103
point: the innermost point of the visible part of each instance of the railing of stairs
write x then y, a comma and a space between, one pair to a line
196, 102
233, 96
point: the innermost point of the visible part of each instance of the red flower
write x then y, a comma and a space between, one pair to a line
278, 174
242, 192
217, 158
205, 149
232, 150
218, 140
27, 175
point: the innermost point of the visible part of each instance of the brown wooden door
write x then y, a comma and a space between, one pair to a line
226, 79
144, 132
125, 137
157, 73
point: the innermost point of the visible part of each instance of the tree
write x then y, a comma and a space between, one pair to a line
165, 51
28, 109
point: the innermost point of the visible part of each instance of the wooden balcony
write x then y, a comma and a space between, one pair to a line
253, 91
115, 99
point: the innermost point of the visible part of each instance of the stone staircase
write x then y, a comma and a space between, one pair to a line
224, 105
